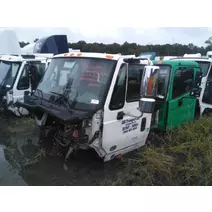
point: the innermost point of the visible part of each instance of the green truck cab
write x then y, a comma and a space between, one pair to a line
169, 91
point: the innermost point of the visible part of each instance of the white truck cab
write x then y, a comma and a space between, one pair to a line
21, 69
91, 100
15, 80
205, 63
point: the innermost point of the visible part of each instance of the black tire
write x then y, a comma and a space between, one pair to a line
207, 112
197, 111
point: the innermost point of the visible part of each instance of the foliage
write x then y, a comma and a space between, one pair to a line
183, 158
133, 48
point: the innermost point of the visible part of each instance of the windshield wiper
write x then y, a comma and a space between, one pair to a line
57, 94
63, 99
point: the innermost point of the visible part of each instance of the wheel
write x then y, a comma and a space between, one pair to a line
207, 112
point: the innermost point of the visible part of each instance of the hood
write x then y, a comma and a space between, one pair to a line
35, 105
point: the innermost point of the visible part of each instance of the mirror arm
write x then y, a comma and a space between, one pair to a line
138, 117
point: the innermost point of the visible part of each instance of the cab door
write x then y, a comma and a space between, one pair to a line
206, 97
181, 106
23, 83
123, 126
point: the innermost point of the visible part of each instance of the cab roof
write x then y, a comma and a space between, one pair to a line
176, 62
204, 59
94, 55
19, 58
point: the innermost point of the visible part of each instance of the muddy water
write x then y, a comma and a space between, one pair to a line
9, 175
21, 162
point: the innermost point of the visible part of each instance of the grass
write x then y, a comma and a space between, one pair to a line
182, 157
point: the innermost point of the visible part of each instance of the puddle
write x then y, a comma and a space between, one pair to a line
21, 163
9, 176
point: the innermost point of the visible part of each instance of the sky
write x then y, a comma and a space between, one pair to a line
110, 34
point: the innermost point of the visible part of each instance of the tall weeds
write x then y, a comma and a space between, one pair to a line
182, 157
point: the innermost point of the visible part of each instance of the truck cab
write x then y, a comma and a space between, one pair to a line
21, 73
90, 100
205, 63
169, 92
15, 79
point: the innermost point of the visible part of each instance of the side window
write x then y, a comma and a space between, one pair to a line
39, 72
207, 97
183, 81
135, 72
23, 83
210, 74
118, 96
41, 67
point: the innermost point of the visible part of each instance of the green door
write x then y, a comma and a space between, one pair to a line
181, 106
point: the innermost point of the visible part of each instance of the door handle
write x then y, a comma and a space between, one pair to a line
120, 115
180, 102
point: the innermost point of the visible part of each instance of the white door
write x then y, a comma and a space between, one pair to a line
206, 97
121, 130
18, 91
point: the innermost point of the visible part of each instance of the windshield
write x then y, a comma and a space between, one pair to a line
84, 82
163, 80
204, 67
8, 72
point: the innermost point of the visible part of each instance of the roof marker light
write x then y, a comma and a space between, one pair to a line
159, 62
79, 54
72, 54
66, 54
109, 56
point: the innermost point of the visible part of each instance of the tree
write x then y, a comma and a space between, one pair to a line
36, 40
175, 49
209, 41
191, 46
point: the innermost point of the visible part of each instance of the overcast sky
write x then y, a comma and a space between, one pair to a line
183, 35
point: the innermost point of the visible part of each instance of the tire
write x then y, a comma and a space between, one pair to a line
207, 112
197, 111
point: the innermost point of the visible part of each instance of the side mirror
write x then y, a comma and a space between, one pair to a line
149, 82
146, 105
30, 68
32, 72
195, 93
148, 90
198, 78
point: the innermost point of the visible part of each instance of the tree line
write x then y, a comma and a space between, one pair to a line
134, 48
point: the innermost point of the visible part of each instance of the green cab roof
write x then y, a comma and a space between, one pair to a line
176, 62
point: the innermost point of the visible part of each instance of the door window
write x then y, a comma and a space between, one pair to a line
207, 97
119, 91
135, 72
23, 83
39, 70
182, 83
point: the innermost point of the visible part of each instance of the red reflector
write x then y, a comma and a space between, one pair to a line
118, 156
75, 133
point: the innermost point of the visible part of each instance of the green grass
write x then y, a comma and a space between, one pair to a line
182, 157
